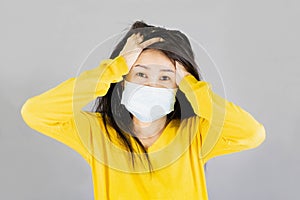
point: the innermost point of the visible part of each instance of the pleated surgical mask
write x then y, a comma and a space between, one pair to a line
148, 103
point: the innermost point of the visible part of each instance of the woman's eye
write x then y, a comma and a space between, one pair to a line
165, 78
140, 74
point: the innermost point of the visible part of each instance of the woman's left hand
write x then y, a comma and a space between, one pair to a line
180, 72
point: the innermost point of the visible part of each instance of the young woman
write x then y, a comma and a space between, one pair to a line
156, 122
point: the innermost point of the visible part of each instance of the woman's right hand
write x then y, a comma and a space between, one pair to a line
134, 46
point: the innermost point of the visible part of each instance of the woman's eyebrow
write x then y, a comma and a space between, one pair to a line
167, 70
146, 67
143, 66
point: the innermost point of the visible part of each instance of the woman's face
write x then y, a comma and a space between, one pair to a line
153, 68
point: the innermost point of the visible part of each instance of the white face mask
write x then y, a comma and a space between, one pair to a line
148, 103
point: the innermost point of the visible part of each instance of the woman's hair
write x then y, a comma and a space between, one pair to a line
176, 47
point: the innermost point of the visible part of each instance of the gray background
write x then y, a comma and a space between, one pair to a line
254, 43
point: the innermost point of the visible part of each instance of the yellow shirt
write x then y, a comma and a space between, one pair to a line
177, 156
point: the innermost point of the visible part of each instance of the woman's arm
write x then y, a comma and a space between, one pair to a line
224, 127
56, 112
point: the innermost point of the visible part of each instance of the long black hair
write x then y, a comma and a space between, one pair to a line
176, 47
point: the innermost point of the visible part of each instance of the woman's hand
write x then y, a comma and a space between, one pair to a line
180, 72
134, 47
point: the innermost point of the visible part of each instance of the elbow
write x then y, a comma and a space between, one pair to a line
258, 136
27, 112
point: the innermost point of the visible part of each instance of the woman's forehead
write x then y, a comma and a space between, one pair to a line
154, 67
153, 58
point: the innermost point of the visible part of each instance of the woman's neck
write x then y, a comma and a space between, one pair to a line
148, 130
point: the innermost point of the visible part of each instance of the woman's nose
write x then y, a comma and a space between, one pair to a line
153, 81
152, 84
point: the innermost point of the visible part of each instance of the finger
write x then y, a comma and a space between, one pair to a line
133, 35
131, 38
135, 38
140, 38
138, 34
151, 41
181, 71
178, 65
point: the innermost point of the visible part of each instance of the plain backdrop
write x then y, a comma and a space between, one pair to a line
255, 45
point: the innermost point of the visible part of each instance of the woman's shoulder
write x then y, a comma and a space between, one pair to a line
190, 121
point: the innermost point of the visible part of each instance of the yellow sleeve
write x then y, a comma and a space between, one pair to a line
53, 112
223, 126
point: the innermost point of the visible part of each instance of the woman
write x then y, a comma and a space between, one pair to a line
156, 122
